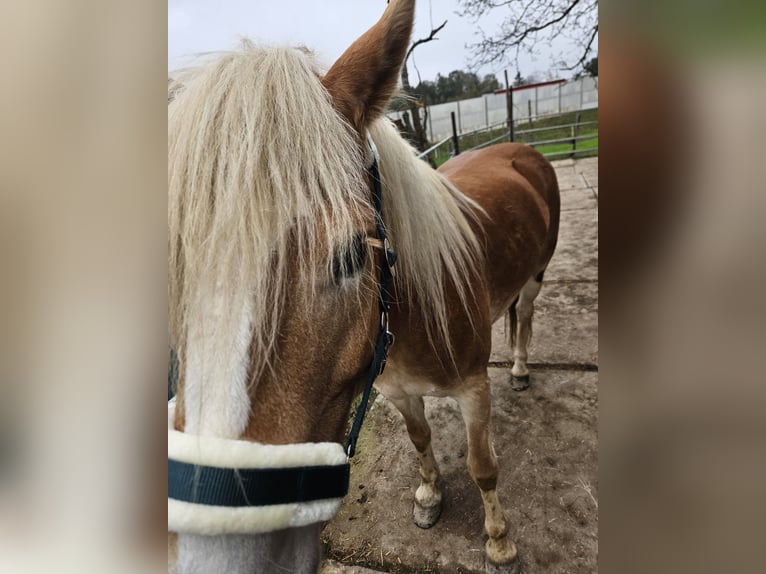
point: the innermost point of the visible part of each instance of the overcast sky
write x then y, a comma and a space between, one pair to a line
329, 26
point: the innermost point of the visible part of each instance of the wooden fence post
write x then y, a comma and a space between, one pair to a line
455, 139
430, 125
576, 134
509, 104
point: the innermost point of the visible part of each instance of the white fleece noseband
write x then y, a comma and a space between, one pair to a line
190, 517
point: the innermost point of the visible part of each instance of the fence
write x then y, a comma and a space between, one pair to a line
528, 103
572, 134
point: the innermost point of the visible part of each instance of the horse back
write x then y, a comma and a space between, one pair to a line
516, 187
517, 190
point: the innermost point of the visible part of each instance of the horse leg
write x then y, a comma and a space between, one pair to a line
482, 464
522, 331
428, 497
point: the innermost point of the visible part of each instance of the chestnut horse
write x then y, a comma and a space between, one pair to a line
275, 254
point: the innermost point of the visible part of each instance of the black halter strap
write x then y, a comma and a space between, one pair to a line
238, 487
385, 337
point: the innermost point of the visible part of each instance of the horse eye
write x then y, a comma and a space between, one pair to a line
350, 261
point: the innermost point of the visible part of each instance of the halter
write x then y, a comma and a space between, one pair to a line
385, 337
225, 486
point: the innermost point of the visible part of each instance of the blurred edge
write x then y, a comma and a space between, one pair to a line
83, 346
82, 249
682, 237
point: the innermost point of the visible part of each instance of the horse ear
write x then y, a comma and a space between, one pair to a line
364, 78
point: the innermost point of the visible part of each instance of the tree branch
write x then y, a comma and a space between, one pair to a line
530, 22
585, 53
424, 40
432, 36
418, 126
532, 29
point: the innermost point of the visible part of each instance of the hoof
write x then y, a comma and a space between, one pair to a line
520, 383
513, 567
426, 516
502, 557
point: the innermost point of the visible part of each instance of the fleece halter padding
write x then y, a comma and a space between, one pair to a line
224, 486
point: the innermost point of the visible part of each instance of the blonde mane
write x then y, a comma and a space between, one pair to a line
428, 220
260, 164
258, 161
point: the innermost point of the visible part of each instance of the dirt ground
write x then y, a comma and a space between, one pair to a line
545, 438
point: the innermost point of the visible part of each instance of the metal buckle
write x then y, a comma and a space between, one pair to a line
386, 347
390, 255
389, 340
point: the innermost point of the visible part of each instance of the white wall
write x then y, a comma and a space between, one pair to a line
490, 109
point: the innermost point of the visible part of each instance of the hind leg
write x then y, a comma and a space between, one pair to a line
524, 308
482, 464
428, 497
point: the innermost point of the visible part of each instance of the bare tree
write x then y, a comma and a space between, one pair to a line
415, 44
413, 124
530, 22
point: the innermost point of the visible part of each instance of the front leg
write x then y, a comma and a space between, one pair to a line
428, 497
482, 464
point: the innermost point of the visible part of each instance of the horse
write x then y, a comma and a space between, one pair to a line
289, 191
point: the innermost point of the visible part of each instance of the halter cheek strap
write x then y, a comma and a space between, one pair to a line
385, 338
